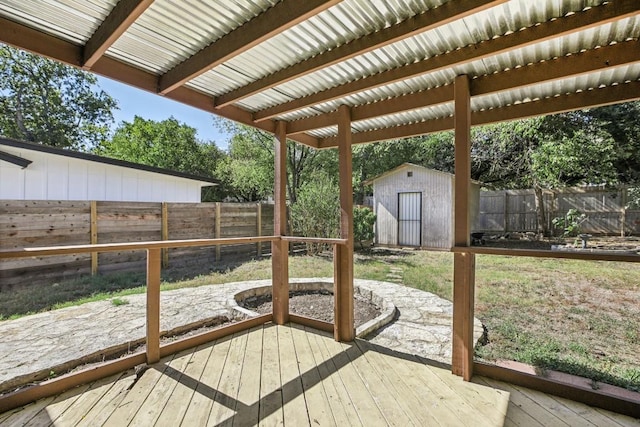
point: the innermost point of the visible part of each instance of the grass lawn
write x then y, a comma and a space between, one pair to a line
573, 316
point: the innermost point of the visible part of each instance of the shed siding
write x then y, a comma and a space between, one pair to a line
437, 205
54, 177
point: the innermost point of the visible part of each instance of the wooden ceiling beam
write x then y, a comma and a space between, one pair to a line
428, 20
595, 16
615, 94
51, 47
114, 25
282, 16
594, 60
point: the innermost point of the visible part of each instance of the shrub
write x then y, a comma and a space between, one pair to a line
316, 213
363, 221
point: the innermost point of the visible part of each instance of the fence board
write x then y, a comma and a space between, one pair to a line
61, 223
514, 210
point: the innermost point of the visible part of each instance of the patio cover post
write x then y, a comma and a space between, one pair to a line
463, 263
280, 248
154, 258
344, 329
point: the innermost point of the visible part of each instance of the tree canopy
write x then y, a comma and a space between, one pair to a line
47, 102
166, 144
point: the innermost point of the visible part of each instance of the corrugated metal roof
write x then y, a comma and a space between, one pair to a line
70, 20
170, 32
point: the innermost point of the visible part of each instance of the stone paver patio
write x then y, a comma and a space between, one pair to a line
47, 341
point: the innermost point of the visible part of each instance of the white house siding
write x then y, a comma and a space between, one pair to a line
56, 177
437, 205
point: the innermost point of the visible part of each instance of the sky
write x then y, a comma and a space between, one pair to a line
132, 102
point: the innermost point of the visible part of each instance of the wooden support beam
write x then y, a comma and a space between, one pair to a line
280, 248
594, 60
598, 15
344, 329
463, 263
124, 13
615, 94
94, 235
284, 15
153, 305
417, 24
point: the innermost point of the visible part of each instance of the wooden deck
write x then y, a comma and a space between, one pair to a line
298, 376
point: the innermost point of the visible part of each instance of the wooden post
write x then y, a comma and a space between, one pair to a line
344, 329
280, 248
259, 228
463, 263
94, 235
165, 234
623, 210
217, 230
154, 257
505, 217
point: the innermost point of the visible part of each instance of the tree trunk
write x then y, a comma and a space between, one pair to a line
540, 211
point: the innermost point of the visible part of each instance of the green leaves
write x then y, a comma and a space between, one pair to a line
50, 103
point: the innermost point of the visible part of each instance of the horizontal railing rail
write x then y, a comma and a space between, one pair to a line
603, 255
114, 247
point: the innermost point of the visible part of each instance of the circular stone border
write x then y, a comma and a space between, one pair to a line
387, 308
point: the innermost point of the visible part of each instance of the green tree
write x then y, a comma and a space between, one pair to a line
545, 152
316, 213
50, 103
166, 144
248, 170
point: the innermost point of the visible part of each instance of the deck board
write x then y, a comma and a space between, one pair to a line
338, 399
294, 375
249, 388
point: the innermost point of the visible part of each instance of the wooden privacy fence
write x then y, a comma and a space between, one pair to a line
515, 210
62, 223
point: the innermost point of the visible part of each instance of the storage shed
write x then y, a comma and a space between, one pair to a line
31, 171
414, 207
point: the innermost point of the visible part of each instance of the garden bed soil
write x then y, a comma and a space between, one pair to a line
315, 304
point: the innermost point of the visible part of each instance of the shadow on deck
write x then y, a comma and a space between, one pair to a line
295, 375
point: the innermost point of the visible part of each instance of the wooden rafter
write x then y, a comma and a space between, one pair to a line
623, 92
425, 21
579, 21
284, 15
43, 44
115, 24
594, 60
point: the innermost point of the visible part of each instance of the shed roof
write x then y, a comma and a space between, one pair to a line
23, 145
392, 61
411, 165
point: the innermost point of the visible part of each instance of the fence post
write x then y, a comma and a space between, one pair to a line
94, 235
217, 230
165, 234
259, 228
623, 210
153, 305
505, 217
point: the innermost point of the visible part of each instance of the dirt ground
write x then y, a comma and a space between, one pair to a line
318, 305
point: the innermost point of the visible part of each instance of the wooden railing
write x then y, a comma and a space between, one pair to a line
578, 255
154, 351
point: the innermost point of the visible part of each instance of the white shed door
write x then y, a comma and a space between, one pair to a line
409, 219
